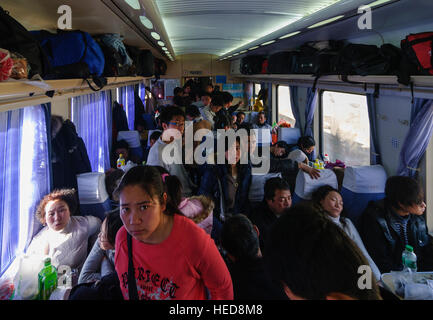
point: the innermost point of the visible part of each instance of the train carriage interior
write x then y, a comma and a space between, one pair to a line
336, 97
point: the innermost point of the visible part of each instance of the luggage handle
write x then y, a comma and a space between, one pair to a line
99, 81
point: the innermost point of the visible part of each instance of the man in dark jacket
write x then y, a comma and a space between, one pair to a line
277, 198
240, 238
388, 225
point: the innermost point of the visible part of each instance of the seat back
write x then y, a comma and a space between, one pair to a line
94, 200
257, 186
149, 121
362, 184
289, 135
305, 185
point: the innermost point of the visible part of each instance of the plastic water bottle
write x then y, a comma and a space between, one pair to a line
409, 259
47, 280
120, 162
326, 158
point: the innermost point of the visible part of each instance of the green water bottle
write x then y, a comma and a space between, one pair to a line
47, 280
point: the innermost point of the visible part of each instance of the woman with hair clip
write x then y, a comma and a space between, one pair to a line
330, 202
161, 254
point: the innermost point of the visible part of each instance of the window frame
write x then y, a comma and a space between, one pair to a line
277, 116
321, 113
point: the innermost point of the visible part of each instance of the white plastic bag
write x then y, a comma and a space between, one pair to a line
26, 278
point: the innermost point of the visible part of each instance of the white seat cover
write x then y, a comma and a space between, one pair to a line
91, 188
257, 187
365, 179
132, 137
305, 185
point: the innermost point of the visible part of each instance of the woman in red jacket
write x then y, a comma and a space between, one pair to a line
172, 258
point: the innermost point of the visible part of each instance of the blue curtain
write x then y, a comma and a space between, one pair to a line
310, 107
92, 116
294, 103
268, 86
127, 100
24, 177
142, 94
418, 137
375, 157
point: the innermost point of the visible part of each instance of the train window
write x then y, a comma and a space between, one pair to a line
345, 127
126, 98
284, 106
257, 87
24, 177
92, 116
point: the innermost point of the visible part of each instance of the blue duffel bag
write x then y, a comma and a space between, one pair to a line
72, 54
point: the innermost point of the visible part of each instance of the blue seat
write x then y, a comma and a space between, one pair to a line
93, 196
289, 135
362, 184
149, 121
305, 185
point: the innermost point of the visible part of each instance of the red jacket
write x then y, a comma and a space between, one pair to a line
181, 267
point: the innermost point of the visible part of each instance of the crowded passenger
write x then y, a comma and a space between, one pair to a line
228, 184
314, 259
112, 179
305, 144
388, 225
279, 150
240, 238
330, 202
261, 122
154, 136
240, 118
209, 112
157, 240
65, 236
173, 123
178, 91
198, 208
277, 198
120, 147
100, 261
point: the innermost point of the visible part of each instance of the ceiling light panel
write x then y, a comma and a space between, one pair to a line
146, 22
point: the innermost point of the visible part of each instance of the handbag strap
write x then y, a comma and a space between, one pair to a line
132, 286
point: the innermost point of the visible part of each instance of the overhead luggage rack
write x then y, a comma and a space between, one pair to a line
16, 90
418, 81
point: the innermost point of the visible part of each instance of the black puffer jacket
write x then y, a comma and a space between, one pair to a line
385, 245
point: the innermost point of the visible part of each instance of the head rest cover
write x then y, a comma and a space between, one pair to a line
91, 187
132, 137
365, 179
257, 186
297, 155
305, 185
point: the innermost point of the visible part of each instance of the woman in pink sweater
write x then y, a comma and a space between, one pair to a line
171, 256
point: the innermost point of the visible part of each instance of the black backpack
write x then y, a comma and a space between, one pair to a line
252, 64
282, 62
16, 38
160, 67
143, 62
113, 61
